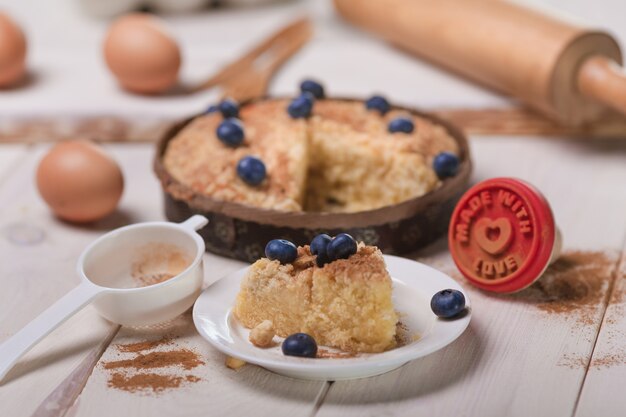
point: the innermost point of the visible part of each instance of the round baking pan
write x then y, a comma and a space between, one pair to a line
241, 232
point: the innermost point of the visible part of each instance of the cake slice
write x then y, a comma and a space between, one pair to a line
345, 304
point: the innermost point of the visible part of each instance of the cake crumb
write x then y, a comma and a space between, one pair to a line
263, 334
234, 363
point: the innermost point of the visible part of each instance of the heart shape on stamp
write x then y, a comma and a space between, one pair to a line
485, 228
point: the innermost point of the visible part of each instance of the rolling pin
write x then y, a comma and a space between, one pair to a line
564, 70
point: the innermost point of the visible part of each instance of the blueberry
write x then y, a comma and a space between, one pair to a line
319, 243
378, 103
401, 124
318, 247
341, 247
299, 344
446, 165
281, 250
230, 132
322, 259
229, 108
447, 303
312, 87
251, 170
301, 106
212, 109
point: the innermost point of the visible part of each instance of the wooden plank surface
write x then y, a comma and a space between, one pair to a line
33, 276
504, 121
10, 157
607, 369
521, 355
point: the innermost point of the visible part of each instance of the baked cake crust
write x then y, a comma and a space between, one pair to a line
198, 159
345, 304
341, 159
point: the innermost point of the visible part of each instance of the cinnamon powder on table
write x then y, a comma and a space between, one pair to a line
182, 358
130, 374
575, 286
578, 279
141, 346
144, 381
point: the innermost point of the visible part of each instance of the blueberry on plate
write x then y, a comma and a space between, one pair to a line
229, 108
299, 344
251, 170
401, 124
281, 250
378, 103
301, 106
318, 248
212, 109
341, 247
446, 165
230, 132
447, 303
313, 87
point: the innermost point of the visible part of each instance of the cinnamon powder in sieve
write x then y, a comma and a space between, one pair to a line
158, 262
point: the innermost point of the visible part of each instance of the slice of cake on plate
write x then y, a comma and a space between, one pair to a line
345, 303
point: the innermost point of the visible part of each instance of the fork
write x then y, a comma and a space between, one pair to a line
249, 76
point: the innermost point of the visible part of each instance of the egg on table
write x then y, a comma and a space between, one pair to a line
79, 181
12, 52
142, 54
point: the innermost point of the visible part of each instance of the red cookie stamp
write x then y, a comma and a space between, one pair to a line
502, 235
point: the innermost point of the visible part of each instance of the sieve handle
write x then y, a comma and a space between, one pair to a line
21, 342
194, 223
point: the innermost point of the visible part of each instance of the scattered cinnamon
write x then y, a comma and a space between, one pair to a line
144, 381
575, 283
192, 378
141, 346
403, 336
609, 360
183, 358
130, 374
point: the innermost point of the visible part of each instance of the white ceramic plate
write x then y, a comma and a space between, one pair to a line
413, 286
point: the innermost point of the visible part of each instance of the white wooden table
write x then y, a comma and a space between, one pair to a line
515, 359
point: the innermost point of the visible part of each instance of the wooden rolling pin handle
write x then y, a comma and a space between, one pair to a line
603, 80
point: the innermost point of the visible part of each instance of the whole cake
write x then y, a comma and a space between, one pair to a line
341, 303
343, 156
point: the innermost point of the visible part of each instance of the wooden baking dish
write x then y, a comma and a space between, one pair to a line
241, 232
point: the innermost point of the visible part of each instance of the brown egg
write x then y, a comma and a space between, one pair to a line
12, 51
142, 54
79, 181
